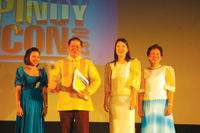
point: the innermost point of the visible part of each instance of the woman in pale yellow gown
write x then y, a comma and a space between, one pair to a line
122, 82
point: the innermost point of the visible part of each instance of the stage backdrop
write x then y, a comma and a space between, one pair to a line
48, 25
175, 25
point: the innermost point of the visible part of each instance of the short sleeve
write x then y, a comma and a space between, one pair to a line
107, 78
44, 81
135, 73
19, 76
169, 78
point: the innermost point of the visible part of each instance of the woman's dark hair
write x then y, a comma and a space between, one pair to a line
27, 55
128, 57
75, 38
155, 46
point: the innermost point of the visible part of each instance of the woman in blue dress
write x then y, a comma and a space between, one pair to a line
31, 94
156, 95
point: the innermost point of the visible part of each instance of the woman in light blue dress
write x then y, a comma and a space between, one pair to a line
31, 94
155, 103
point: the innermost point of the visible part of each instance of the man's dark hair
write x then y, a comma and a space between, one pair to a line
75, 38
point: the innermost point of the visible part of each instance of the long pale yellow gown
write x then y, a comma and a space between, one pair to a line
119, 78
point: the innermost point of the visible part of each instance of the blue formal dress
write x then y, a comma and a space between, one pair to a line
31, 100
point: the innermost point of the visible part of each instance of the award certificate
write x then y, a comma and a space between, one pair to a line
80, 83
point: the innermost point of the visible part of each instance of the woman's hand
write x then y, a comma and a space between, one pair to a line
169, 110
170, 102
140, 102
19, 111
140, 113
106, 108
132, 104
44, 112
17, 99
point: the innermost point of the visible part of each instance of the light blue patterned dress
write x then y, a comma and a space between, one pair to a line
155, 84
31, 101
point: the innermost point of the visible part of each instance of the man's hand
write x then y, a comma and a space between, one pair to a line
54, 90
83, 95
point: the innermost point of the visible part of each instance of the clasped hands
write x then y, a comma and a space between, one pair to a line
83, 94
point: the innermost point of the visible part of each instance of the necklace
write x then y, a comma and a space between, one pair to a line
156, 67
32, 71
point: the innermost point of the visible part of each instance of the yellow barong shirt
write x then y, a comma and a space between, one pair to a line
62, 77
